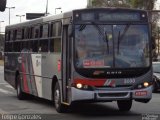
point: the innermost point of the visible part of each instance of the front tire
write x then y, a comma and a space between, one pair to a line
20, 94
124, 105
60, 108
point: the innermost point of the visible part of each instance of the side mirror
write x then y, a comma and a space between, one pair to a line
70, 30
2, 5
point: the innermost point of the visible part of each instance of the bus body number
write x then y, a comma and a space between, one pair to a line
129, 81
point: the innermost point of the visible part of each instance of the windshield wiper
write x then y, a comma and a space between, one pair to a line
106, 40
119, 33
104, 34
82, 27
120, 37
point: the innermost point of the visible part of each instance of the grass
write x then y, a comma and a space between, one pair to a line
1, 62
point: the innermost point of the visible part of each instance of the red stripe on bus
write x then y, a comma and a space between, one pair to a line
25, 85
97, 82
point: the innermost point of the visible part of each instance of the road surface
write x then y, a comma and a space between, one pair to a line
9, 104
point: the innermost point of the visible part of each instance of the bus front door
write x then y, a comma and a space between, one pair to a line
66, 65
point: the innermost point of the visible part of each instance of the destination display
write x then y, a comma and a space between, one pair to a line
88, 16
111, 16
120, 16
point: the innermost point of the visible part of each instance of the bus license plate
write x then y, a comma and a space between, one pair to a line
141, 93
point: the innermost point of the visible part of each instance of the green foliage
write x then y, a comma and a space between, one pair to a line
106, 3
2, 5
140, 4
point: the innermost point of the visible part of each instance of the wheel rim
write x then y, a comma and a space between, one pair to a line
56, 98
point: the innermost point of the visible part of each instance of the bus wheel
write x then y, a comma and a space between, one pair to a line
20, 95
124, 105
60, 108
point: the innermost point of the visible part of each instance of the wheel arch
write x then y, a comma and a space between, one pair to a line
16, 75
54, 81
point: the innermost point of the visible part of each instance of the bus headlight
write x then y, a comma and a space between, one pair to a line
79, 85
82, 86
145, 84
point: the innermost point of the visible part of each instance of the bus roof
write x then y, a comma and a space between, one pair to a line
40, 20
64, 15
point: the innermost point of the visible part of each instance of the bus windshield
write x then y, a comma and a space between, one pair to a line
111, 46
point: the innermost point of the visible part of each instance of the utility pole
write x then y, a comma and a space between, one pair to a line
10, 13
20, 16
46, 9
0, 25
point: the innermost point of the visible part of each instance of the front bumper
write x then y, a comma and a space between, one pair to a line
111, 94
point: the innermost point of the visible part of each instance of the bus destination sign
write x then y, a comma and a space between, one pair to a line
120, 16
112, 16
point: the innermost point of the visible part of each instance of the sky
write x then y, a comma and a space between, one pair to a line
37, 6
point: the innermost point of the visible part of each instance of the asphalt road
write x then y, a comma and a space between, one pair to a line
9, 104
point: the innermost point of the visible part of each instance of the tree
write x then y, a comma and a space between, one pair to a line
109, 3
141, 4
2, 5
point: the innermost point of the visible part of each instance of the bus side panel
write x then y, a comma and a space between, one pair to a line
45, 66
50, 64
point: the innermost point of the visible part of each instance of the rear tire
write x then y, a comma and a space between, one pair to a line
60, 108
124, 105
20, 94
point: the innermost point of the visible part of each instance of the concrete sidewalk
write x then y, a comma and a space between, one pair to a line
1, 68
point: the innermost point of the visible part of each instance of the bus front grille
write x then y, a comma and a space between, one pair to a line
113, 94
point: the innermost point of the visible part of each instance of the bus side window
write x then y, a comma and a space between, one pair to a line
34, 46
6, 46
43, 46
36, 34
41, 31
53, 29
30, 34
13, 46
51, 45
23, 33
57, 45
17, 46
45, 31
9, 36
19, 34
10, 47
14, 35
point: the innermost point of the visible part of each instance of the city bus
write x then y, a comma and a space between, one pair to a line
85, 55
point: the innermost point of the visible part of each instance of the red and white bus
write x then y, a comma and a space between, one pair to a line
100, 54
